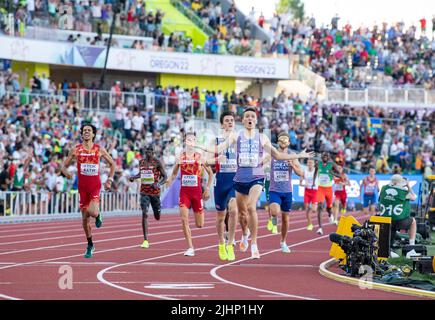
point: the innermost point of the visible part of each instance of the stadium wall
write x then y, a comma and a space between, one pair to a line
26, 70
226, 84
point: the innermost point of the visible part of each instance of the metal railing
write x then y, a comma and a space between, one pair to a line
105, 101
50, 203
396, 97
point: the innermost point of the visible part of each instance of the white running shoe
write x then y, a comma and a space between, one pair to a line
393, 255
412, 253
319, 231
285, 248
331, 219
190, 252
255, 254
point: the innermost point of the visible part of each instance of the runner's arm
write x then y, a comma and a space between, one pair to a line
106, 156
163, 175
361, 187
67, 162
346, 179
302, 180
297, 167
267, 145
222, 146
210, 175
174, 173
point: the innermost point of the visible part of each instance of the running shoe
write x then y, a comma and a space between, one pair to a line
223, 255
275, 230
255, 254
336, 222
157, 215
269, 225
145, 244
190, 252
285, 248
89, 251
244, 244
331, 219
310, 227
99, 221
230, 252
320, 231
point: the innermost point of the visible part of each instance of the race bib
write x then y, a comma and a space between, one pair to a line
147, 177
370, 188
339, 187
324, 179
189, 181
230, 165
248, 160
281, 176
89, 169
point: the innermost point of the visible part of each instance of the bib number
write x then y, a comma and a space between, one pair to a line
370, 189
89, 169
281, 176
189, 181
389, 210
248, 160
147, 177
230, 165
339, 187
324, 179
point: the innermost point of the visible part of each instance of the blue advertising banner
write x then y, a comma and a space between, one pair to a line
353, 191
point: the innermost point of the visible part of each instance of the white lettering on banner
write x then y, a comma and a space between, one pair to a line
89, 169
255, 69
169, 64
189, 180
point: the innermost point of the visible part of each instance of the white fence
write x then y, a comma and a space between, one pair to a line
18, 204
388, 97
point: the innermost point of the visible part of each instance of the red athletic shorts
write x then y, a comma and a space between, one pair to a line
325, 193
342, 196
87, 196
310, 196
191, 198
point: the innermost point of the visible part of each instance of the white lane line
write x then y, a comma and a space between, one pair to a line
100, 275
8, 297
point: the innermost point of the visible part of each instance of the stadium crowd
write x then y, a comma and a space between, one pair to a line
36, 136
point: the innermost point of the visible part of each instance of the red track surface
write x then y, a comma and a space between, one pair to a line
31, 255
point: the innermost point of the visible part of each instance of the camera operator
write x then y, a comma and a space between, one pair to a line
394, 203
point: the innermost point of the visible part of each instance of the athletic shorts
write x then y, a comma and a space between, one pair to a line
342, 196
404, 224
310, 196
244, 187
369, 199
284, 199
325, 193
86, 197
154, 200
223, 190
191, 198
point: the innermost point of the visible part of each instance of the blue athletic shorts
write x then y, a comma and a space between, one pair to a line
223, 190
369, 199
283, 199
244, 188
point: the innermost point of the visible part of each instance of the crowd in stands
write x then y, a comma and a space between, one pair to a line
36, 136
333, 52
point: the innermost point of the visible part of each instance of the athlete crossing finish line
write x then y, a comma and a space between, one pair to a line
249, 178
191, 195
152, 175
88, 157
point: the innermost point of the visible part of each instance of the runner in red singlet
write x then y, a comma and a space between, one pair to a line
88, 157
191, 195
340, 195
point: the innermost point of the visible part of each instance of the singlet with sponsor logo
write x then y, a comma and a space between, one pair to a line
310, 182
190, 171
393, 203
229, 165
88, 166
370, 185
249, 158
280, 176
325, 176
149, 176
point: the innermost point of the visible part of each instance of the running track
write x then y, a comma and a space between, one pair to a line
31, 255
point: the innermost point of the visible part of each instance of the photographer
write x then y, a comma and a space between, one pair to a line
394, 203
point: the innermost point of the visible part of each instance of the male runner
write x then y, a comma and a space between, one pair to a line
249, 178
191, 194
326, 171
370, 184
88, 156
152, 175
224, 193
340, 195
281, 195
310, 182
